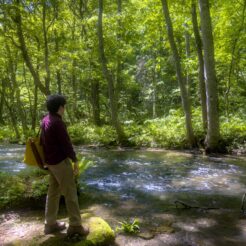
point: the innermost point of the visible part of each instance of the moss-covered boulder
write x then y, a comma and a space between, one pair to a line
100, 232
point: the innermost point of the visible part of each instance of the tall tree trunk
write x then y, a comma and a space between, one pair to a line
18, 20
108, 77
12, 68
12, 115
187, 51
73, 76
154, 91
95, 102
180, 76
35, 106
202, 88
74, 87
58, 72
28, 87
2, 93
93, 96
213, 134
57, 49
233, 58
59, 81
119, 58
46, 49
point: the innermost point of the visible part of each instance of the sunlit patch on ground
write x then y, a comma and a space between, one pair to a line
14, 229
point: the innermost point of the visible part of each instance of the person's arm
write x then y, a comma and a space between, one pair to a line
64, 141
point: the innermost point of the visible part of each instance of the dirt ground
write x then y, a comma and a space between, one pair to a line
186, 228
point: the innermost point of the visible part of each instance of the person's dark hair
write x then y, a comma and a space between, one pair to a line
54, 102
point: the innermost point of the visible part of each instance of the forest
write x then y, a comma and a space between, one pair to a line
155, 110
135, 72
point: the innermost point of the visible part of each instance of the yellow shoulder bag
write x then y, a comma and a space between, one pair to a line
34, 154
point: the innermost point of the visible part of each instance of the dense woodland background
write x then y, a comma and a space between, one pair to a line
136, 72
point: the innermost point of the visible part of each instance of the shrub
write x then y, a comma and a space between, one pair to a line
12, 189
233, 132
82, 133
167, 132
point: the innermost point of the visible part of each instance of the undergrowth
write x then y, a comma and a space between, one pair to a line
165, 132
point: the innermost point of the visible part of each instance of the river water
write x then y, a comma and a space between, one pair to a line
135, 174
145, 184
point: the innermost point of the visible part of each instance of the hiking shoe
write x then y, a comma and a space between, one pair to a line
77, 230
58, 226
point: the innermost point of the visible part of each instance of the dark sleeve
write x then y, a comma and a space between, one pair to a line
64, 140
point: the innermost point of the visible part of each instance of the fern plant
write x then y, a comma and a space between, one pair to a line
129, 227
84, 164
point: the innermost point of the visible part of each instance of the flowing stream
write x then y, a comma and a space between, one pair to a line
145, 184
155, 175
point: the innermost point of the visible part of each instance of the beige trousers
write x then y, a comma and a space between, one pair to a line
62, 182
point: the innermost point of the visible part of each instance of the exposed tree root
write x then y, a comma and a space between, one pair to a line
187, 206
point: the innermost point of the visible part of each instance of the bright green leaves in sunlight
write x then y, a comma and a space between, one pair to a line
53, 47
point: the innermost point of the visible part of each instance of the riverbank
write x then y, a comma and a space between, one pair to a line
173, 227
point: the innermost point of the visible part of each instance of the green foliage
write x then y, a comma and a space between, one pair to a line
32, 172
15, 189
129, 227
12, 189
139, 60
164, 132
82, 133
167, 132
233, 131
84, 164
30, 183
39, 187
7, 134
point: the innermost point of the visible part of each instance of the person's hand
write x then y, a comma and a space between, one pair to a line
76, 169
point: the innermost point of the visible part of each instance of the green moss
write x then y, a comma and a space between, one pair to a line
100, 232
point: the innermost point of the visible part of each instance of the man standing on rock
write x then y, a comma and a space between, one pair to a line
59, 153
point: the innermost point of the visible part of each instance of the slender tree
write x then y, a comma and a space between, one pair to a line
46, 48
95, 101
108, 77
180, 76
213, 133
2, 95
17, 18
119, 58
202, 88
58, 71
11, 112
15, 89
188, 55
233, 56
